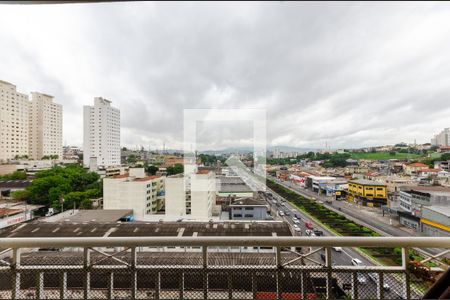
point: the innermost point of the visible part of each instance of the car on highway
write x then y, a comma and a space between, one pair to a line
318, 232
281, 213
298, 216
309, 232
374, 278
357, 262
287, 213
295, 220
337, 249
309, 225
361, 278
282, 204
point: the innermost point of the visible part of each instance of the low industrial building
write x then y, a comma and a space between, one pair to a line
249, 208
232, 186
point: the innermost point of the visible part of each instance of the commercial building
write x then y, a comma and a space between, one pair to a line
442, 138
45, 127
249, 208
367, 192
101, 141
435, 220
14, 128
414, 199
190, 196
135, 190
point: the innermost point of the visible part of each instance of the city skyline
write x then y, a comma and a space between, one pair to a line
368, 83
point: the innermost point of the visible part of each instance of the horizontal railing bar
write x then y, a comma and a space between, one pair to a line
193, 268
439, 242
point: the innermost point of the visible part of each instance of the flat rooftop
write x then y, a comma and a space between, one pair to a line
147, 229
366, 182
232, 184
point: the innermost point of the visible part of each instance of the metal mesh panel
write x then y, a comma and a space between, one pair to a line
178, 273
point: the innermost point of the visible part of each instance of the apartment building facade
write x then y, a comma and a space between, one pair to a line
190, 196
45, 127
134, 190
101, 139
14, 128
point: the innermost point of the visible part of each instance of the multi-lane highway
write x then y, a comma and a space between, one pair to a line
367, 289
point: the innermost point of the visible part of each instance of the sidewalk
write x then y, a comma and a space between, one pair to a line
375, 213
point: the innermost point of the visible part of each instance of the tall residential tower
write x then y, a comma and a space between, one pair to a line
13, 122
101, 141
45, 126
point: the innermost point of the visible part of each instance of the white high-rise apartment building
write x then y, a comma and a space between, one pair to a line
45, 127
441, 139
13, 122
101, 140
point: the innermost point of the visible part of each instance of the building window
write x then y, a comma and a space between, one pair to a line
249, 208
237, 216
248, 216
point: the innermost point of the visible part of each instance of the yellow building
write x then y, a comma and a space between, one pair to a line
367, 192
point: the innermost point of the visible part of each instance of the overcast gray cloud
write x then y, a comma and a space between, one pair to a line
351, 74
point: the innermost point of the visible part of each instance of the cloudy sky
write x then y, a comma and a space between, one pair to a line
349, 74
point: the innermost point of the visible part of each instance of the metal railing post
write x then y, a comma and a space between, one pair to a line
230, 287
40, 285
87, 270
110, 287
182, 286
328, 265
63, 287
278, 274
355, 285
405, 266
134, 272
205, 271
158, 285
254, 285
15, 293
380, 282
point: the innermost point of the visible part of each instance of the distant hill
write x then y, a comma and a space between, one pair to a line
246, 150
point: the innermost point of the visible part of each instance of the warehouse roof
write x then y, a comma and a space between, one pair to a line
144, 229
103, 215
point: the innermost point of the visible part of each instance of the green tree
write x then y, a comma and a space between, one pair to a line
131, 159
151, 170
72, 183
20, 195
17, 175
175, 169
86, 204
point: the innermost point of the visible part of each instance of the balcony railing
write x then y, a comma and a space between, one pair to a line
206, 267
